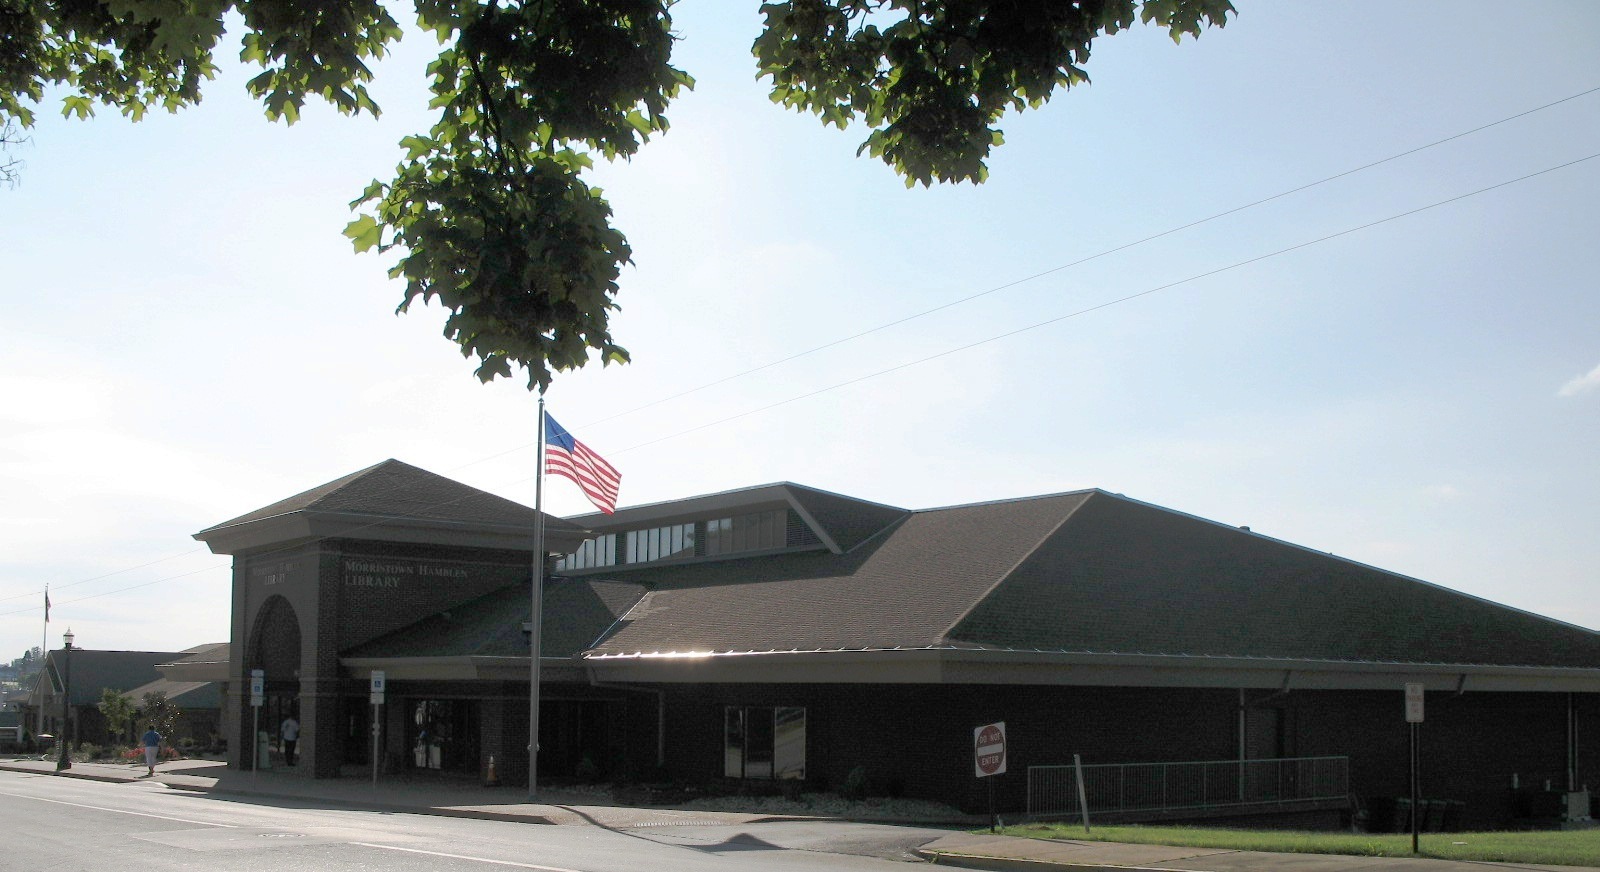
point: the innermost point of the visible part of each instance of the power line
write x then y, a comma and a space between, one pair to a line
1036, 325
110, 592
102, 577
1079, 262
957, 302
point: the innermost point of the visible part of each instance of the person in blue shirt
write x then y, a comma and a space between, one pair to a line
152, 744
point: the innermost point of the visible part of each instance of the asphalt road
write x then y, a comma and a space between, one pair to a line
67, 825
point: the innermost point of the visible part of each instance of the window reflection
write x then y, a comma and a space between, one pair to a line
757, 532
599, 551
764, 742
661, 543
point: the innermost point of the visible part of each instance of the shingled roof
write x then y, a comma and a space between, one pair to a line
1087, 577
904, 588
576, 613
92, 671
397, 489
390, 500
1128, 577
1086, 572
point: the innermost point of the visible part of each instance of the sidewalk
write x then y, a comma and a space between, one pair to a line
960, 849
984, 851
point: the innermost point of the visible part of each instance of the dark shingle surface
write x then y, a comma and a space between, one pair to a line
848, 521
1128, 577
902, 589
91, 671
400, 490
211, 652
186, 694
576, 612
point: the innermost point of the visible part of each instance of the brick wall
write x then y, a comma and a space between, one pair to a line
917, 739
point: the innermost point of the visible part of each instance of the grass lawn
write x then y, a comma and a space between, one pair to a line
1569, 848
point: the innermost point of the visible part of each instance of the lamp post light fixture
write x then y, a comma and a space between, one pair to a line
65, 761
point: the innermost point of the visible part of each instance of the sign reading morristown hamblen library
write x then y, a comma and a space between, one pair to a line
989, 749
366, 572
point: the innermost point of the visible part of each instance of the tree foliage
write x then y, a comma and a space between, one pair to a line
161, 712
119, 712
488, 213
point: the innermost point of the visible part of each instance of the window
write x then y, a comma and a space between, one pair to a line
661, 543
599, 551
757, 532
764, 742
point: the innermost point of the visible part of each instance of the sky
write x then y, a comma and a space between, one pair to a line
1396, 366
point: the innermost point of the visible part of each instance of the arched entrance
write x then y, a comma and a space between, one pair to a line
275, 649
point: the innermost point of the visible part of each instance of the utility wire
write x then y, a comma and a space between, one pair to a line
110, 592
950, 351
1109, 251
966, 299
1036, 325
100, 577
956, 350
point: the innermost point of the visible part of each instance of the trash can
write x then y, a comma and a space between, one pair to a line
263, 750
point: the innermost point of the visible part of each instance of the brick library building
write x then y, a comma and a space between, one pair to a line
780, 633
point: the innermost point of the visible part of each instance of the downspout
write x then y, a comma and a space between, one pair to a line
1241, 725
661, 710
1241, 744
1572, 745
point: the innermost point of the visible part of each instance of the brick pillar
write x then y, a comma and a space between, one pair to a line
240, 740
321, 746
321, 716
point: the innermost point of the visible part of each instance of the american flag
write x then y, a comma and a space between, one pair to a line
566, 456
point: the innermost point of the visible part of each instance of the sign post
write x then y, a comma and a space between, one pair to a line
1083, 800
989, 759
378, 681
258, 688
1414, 698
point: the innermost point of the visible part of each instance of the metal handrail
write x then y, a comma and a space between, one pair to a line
1187, 785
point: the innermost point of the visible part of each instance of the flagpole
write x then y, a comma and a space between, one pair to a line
44, 647
536, 615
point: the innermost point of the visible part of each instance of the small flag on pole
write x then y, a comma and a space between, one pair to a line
47, 605
566, 456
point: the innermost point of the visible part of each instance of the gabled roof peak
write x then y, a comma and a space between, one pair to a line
390, 500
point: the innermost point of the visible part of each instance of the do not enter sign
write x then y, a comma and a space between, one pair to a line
989, 749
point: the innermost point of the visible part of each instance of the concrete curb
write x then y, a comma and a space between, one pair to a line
1018, 864
70, 773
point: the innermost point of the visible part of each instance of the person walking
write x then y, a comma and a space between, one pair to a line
290, 733
152, 746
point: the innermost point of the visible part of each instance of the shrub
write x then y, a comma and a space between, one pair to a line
855, 784
136, 754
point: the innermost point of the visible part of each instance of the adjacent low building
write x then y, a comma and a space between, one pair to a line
782, 632
90, 673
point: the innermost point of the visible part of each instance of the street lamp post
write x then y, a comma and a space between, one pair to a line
65, 762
